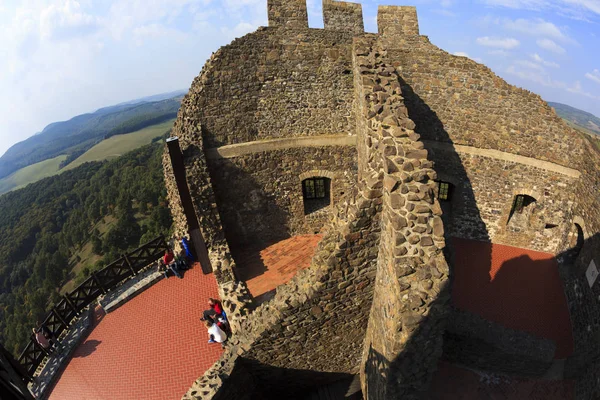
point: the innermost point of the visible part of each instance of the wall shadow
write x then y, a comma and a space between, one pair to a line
275, 383
250, 217
87, 348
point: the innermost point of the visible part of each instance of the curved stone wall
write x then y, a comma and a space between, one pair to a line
276, 83
475, 107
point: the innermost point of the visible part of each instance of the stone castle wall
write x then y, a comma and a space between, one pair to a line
260, 194
491, 140
343, 16
291, 14
517, 145
445, 94
584, 302
397, 22
311, 332
277, 83
404, 338
483, 192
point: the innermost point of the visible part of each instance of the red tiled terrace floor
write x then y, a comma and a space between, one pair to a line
454, 383
265, 269
153, 347
518, 288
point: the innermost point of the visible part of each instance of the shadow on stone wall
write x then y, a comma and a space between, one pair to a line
284, 383
250, 215
398, 378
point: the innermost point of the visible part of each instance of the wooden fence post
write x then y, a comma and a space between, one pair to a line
70, 303
57, 315
100, 285
124, 256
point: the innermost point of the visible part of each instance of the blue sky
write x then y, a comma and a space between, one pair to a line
61, 58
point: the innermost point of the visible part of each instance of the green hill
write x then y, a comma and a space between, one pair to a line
66, 226
30, 174
118, 145
79, 134
110, 148
577, 117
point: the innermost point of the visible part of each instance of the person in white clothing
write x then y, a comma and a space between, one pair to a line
215, 334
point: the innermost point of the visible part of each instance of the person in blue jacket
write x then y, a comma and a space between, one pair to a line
186, 247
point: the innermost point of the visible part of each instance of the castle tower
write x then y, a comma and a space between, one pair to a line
287, 13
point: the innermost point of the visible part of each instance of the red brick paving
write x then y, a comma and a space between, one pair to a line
153, 347
518, 288
454, 383
266, 268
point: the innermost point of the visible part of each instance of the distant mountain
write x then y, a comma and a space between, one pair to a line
156, 97
75, 136
577, 117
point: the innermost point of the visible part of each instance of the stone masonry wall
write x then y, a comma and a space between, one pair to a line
343, 16
454, 99
407, 318
234, 295
396, 22
312, 330
483, 193
276, 83
291, 14
584, 302
260, 195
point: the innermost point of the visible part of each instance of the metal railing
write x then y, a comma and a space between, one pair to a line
98, 283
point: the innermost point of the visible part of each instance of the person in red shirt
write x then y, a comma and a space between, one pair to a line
214, 312
169, 264
169, 257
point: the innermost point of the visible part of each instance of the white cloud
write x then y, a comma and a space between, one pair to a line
529, 64
545, 63
157, 31
578, 89
445, 13
535, 27
550, 45
239, 30
594, 75
545, 80
500, 53
503, 43
578, 9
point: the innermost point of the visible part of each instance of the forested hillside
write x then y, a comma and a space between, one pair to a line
577, 117
43, 226
74, 137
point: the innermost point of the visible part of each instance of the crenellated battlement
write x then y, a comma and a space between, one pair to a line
397, 21
343, 16
291, 14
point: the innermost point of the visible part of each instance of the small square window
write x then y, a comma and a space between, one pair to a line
444, 191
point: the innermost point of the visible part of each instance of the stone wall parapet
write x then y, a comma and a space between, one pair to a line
412, 272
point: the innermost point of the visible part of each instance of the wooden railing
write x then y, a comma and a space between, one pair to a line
72, 304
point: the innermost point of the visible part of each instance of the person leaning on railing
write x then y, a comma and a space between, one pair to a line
45, 339
168, 263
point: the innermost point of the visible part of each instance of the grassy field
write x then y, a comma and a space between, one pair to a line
118, 145
31, 173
